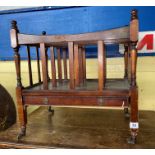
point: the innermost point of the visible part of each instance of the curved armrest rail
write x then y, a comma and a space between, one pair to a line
118, 35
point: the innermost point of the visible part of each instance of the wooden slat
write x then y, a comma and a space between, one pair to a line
65, 63
44, 67
101, 66
129, 64
46, 51
53, 68
59, 65
76, 65
80, 66
84, 63
126, 61
71, 64
105, 67
38, 64
29, 66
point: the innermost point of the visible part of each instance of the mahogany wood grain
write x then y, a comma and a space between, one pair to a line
46, 54
101, 91
59, 64
81, 72
18, 66
134, 26
29, 66
64, 52
44, 66
83, 101
84, 63
116, 35
134, 111
22, 115
126, 60
38, 64
133, 53
71, 64
101, 65
76, 65
53, 68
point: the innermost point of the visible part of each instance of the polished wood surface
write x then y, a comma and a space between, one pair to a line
80, 128
118, 35
29, 66
77, 89
53, 69
38, 64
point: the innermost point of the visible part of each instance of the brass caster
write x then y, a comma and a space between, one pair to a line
51, 110
21, 133
126, 113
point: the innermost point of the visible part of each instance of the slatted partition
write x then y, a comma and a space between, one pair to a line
69, 60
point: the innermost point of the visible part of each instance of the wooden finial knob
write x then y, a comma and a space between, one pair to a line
134, 14
13, 24
44, 33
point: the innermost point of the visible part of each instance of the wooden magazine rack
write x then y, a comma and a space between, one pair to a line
72, 87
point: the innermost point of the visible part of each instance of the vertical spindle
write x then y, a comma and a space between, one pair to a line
71, 64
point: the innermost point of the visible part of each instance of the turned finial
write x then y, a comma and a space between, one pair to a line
134, 14
14, 25
43, 32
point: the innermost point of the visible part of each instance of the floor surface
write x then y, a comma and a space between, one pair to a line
80, 128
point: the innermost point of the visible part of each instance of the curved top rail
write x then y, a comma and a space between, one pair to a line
109, 36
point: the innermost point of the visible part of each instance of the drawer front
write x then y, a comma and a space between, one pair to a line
71, 100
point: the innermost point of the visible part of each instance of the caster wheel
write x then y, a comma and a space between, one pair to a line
51, 110
22, 133
126, 113
131, 140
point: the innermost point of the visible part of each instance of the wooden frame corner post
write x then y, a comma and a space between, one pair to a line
134, 124
22, 115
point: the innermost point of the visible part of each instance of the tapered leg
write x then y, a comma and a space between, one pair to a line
22, 114
134, 124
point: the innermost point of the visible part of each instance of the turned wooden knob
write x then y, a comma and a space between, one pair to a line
134, 14
44, 33
14, 24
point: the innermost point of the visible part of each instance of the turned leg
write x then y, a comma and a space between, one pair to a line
134, 125
22, 114
22, 132
22, 121
21, 109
